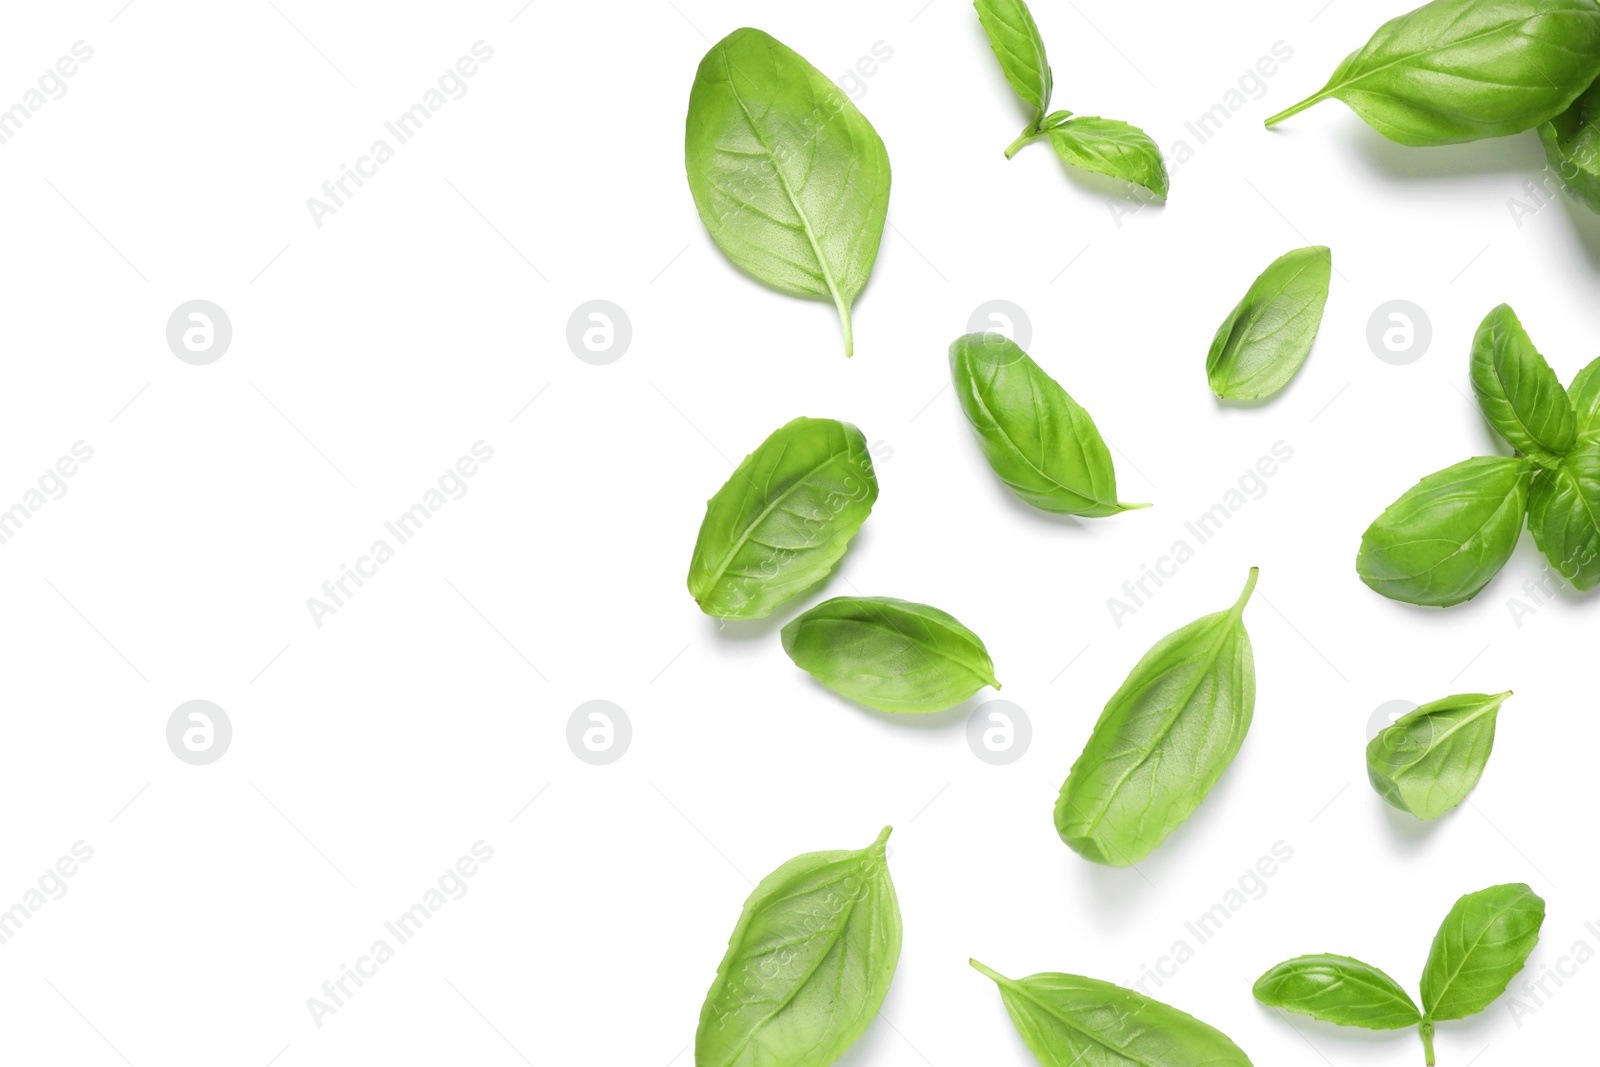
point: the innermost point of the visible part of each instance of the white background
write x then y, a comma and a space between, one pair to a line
368, 354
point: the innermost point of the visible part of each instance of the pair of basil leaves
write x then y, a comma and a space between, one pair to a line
778, 526
814, 952
1462, 70
1429, 759
1481, 945
1447, 536
1101, 146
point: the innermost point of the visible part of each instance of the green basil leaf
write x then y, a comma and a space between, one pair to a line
808, 964
1068, 1021
790, 179
1429, 759
1338, 989
1461, 70
1572, 145
889, 654
781, 522
1262, 343
1449, 534
1520, 395
1480, 947
1106, 146
1564, 515
1584, 392
1036, 437
1020, 50
1162, 741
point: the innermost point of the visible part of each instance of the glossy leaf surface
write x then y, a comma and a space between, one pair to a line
1039, 441
1069, 1021
1564, 515
784, 518
889, 654
1480, 947
808, 965
1449, 534
1163, 740
1429, 759
1020, 50
1106, 146
1340, 990
1262, 343
789, 178
1461, 70
1520, 395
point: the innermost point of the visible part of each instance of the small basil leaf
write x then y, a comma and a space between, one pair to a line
1584, 392
1460, 70
889, 654
1572, 145
1069, 1021
1261, 345
1429, 759
789, 178
808, 964
1564, 515
781, 522
1449, 534
1480, 947
1338, 989
1106, 146
1520, 395
1162, 741
1020, 50
1036, 437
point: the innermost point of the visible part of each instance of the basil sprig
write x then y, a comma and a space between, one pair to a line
1449, 535
1481, 945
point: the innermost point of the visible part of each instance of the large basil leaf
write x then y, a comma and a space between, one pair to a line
1106, 146
808, 964
782, 521
1584, 392
1564, 515
1449, 534
790, 179
1338, 989
1429, 759
1520, 395
1068, 1021
1480, 947
1460, 70
1162, 741
1020, 50
1036, 437
1572, 145
1264, 341
889, 654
